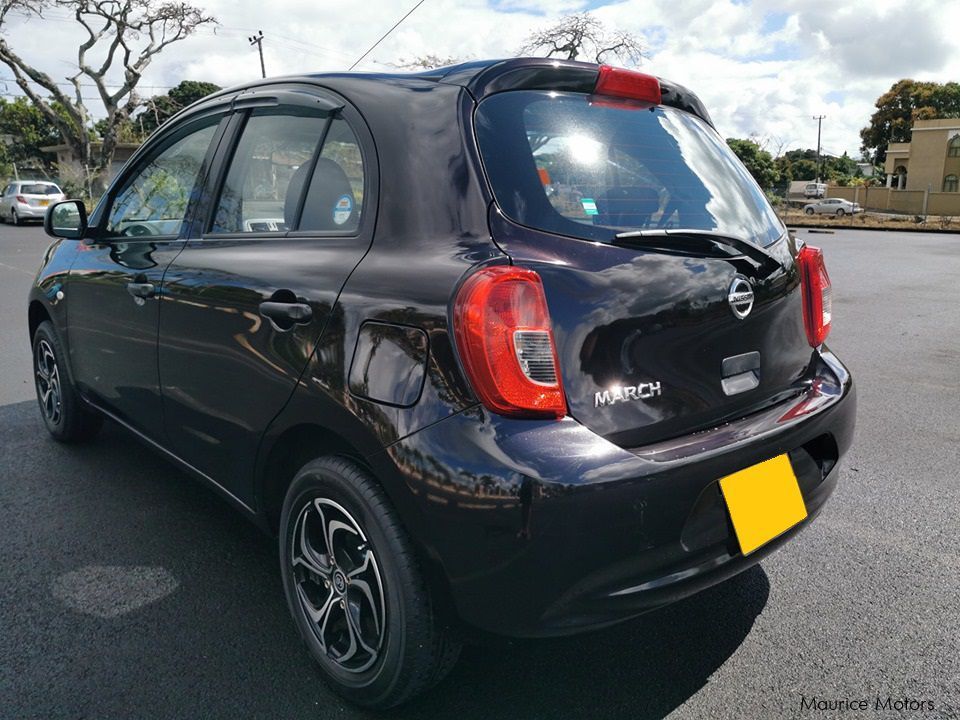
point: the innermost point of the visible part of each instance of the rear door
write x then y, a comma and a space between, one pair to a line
657, 339
247, 299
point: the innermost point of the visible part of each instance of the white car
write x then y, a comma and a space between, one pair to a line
28, 200
815, 190
832, 206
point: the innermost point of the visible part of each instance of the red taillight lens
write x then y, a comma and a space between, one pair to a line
21, 199
817, 294
502, 327
618, 82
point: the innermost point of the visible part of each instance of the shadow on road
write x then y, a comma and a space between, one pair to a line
640, 669
218, 641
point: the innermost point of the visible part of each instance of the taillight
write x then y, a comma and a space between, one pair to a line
817, 294
619, 82
502, 328
21, 199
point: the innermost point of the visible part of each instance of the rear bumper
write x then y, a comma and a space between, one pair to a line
29, 212
544, 528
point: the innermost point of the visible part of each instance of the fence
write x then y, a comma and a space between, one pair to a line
908, 202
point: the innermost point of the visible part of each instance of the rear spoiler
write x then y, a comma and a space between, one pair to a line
482, 79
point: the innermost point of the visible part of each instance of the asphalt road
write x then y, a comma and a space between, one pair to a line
129, 591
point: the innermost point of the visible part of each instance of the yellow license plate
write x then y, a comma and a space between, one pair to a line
44, 203
764, 501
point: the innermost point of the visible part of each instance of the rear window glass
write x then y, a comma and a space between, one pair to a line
39, 189
567, 164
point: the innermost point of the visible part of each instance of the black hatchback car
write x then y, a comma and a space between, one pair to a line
514, 346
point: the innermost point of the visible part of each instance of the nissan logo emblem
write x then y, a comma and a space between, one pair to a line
740, 297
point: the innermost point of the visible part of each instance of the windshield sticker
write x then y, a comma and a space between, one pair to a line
343, 209
589, 206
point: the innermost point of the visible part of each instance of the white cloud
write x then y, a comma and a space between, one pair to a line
763, 67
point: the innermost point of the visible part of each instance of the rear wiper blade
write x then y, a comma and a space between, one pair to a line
682, 240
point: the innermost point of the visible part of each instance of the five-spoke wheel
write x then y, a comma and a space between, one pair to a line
338, 582
67, 417
355, 587
47, 376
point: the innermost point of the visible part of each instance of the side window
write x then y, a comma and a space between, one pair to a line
155, 200
269, 166
335, 197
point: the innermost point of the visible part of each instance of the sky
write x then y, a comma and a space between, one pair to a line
763, 68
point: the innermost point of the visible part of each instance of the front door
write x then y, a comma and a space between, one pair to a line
117, 277
248, 298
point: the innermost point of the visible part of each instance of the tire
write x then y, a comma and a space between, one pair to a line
808, 211
67, 418
841, 212
15, 218
401, 646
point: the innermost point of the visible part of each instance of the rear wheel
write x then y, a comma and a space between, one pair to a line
64, 413
841, 212
809, 211
355, 589
14, 218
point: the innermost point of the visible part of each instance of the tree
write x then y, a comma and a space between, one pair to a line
758, 161
904, 103
160, 108
27, 130
582, 35
127, 35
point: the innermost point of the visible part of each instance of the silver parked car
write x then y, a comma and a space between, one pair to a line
28, 200
832, 206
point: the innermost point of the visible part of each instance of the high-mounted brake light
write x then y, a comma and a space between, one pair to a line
817, 294
502, 328
619, 82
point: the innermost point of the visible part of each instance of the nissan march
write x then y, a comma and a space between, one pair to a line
516, 347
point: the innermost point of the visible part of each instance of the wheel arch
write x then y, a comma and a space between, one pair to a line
289, 452
297, 445
36, 314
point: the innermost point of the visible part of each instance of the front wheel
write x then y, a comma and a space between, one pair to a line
809, 211
64, 413
355, 588
841, 212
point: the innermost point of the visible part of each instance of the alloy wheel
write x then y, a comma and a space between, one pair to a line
48, 382
338, 585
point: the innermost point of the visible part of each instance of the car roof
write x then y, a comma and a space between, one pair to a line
479, 77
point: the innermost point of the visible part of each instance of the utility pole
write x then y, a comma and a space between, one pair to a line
819, 119
258, 41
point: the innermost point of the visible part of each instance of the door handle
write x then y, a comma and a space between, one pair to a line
285, 314
142, 289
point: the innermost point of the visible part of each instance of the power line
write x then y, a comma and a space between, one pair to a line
383, 37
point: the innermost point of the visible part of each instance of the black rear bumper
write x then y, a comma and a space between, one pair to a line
544, 528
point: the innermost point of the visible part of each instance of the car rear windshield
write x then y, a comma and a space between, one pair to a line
39, 189
589, 168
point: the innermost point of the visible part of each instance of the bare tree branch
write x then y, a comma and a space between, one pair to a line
131, 33
583, 35
425, 62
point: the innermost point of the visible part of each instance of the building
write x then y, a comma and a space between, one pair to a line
930, 161
70, 167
